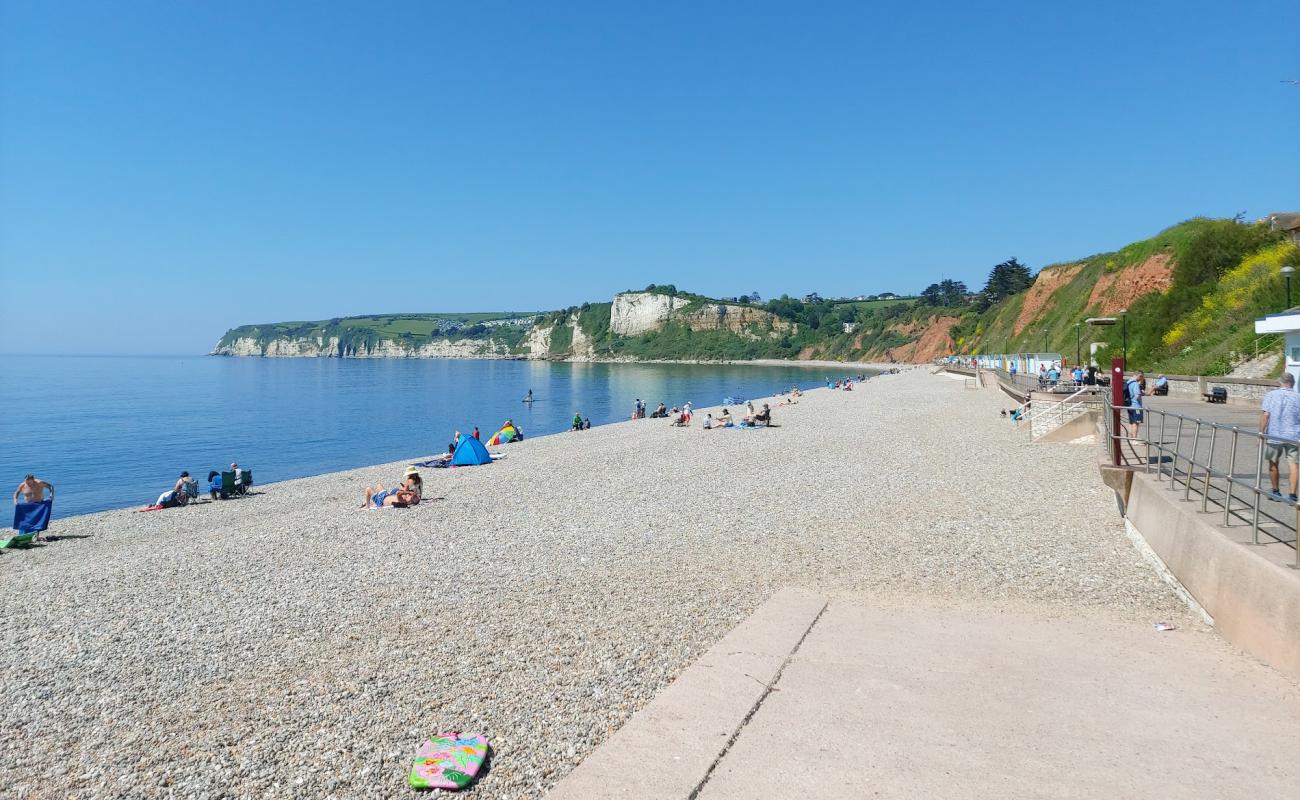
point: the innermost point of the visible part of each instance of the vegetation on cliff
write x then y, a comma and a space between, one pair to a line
363, 333
1191, 293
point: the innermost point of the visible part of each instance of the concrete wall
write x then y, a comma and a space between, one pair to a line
1240, 390
1250, 591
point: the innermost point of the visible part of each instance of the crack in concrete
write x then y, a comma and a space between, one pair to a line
768, 689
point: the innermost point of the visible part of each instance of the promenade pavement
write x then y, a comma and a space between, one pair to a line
835, 699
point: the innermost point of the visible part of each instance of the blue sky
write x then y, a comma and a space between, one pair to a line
169, 170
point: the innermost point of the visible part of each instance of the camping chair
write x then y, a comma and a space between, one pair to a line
245, 481
29, 520
191, 489
229, 487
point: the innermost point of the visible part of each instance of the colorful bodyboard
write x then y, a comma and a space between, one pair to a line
448, 761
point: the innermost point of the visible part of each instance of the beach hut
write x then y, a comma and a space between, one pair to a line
470, 452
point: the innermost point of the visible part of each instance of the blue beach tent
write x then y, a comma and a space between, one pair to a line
470, 452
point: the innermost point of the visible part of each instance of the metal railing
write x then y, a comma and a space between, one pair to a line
1032, 383
1216, 466
1047, 416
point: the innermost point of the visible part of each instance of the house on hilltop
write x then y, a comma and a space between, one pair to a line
1286, 222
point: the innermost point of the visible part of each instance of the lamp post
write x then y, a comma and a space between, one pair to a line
1044, 340
1123, 318
1287, 271
1078, 343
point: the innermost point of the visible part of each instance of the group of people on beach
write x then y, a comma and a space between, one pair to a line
754, 419
410, 491
406, 494
186, 489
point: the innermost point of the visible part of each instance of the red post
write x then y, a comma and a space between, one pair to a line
1116, 401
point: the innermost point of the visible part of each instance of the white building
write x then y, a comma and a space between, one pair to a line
1286, 323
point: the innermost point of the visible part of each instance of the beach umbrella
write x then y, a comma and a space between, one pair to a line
506, 434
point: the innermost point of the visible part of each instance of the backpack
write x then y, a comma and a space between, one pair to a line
1128, 393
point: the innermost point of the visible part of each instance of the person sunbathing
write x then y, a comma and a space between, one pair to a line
180, 493
379, 497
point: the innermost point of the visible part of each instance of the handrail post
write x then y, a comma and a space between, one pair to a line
1173, 462
1160, 448
1227, 484
1146, 443
1259, 470
1191, 463
1209, 468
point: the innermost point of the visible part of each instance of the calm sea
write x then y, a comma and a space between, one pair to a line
115, 431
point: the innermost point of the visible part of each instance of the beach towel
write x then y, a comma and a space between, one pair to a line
32, 517
29, 520
448, 761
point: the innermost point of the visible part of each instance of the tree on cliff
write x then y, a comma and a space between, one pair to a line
945, 294
1008, 278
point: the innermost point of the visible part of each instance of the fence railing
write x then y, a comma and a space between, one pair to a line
1223, 465
1048, 415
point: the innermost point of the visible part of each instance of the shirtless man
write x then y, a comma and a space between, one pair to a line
379, 497
32, 490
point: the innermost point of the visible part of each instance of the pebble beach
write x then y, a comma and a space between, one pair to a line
288, 644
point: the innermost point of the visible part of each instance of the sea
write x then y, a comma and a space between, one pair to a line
116, 431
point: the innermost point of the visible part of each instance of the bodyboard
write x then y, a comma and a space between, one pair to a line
448, 761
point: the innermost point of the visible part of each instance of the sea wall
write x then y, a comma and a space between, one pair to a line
1254, 599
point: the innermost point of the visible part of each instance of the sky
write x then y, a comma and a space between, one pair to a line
171, 170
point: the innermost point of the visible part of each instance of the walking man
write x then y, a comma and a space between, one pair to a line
1280, 421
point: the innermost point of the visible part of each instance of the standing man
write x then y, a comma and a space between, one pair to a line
1133, 400
1280, 420
32, 490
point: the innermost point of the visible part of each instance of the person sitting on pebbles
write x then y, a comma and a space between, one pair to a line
412, 482
723, 420
379, 497
763, 417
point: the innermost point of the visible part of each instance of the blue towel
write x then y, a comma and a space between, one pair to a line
32, 517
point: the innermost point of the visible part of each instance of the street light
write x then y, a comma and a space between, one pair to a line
1286, 273
1078, 343
1123, 316
1044, 340
1101, 322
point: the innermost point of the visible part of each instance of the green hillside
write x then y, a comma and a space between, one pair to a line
355, 332
1191, 292
1222, 275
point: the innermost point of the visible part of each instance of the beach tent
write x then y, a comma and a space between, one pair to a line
470, 452
506, 434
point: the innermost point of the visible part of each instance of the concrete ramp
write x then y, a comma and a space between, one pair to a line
934, 703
